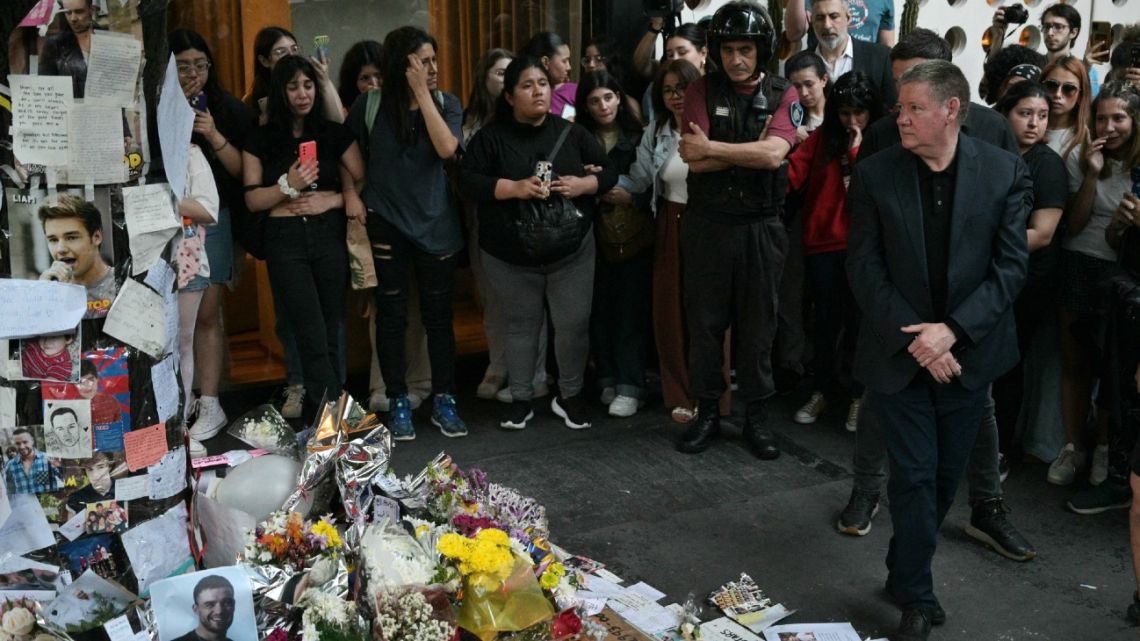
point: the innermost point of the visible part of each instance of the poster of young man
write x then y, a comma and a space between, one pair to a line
27, 469
212, 605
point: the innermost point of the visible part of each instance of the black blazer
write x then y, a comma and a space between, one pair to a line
886, 262
874, 60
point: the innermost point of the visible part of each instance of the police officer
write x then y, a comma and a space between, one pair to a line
739, 125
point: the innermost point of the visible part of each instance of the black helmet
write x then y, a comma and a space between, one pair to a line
742, 20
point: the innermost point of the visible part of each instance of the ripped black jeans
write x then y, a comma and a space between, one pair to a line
396, 258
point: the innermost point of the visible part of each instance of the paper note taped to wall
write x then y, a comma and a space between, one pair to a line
175, 126
112, 68
145, 447
39, 118
95, 140
136, 318
45, 307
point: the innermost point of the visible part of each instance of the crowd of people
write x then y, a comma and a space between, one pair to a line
855, 227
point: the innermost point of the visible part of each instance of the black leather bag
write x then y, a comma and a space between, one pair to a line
547, 230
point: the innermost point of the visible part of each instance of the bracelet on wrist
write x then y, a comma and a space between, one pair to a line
286, 188
224, 145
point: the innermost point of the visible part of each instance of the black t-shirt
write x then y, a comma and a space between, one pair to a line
1050, 190
277, 150
233, 120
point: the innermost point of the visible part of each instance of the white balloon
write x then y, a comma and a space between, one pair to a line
259, 486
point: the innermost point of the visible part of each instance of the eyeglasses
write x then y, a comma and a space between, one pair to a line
674, 92
593, 60
1068, 88
1053, 26
284, 51
189, 68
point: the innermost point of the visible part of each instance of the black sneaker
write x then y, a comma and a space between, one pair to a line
989, 525
1101, 498
860, 511
913, 626
572, 411
516, 415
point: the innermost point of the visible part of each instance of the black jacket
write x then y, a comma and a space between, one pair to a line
510, 150
886, 262
874, 60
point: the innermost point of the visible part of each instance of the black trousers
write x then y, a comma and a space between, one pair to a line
731, 278
836, 318
930, 430
619, 322
1033, 305
396, 258
307, 261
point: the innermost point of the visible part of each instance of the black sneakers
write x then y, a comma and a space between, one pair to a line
989, 525
702, 431
860, 511
572, 411
516, 415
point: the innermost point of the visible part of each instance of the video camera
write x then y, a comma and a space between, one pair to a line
668, 9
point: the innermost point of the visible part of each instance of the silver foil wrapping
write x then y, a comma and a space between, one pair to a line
276, 589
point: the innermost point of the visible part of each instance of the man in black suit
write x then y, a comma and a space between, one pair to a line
214, 604
830, 20
935, 332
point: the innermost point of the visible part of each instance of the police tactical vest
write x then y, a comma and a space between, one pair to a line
739, 194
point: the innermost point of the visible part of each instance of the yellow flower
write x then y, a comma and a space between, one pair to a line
453, 546
421, 529
493, 535
553, 574
325, 529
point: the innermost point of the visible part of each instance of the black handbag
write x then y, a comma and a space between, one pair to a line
1122, 284
547, 230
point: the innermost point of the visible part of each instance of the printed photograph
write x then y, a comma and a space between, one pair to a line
89, 602
27, 468
30, 583
51, 358
212, 604
102, 554
106, 517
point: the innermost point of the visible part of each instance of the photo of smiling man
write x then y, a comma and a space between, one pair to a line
73, 228
216, 605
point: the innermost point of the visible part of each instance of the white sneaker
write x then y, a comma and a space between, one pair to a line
294, 401
811, 410
1099, 465
378, 402
624, 406
608, 395
1064, 468
197, 450
211, 418
489, 386
853, 414
504, 395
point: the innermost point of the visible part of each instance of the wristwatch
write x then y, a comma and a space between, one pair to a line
283, 183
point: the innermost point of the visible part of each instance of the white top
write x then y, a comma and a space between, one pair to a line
844, 63
1090, 241
200, 187
674, 176
1058, 139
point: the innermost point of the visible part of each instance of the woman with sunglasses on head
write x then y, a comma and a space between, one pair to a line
305, 249
272, 44
1027, 107
221, 123
619, 320
660, 173
501, 173
1067, 82
1098, 178
822, 165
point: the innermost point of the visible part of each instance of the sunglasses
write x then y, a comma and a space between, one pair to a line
1068, 88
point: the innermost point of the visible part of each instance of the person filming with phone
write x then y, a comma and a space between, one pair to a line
301, 168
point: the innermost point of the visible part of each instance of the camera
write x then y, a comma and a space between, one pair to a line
1016, 14
662, 8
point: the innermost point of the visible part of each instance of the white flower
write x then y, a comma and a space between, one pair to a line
18, 622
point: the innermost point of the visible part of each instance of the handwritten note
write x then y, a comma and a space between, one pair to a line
136, 318
160, 277
39, 118
165, 388
132, 487
151, 223
175, 124
145, 447
46, 307
113, 68
95, 138
5, 505
159, 548
75, 526
168, 476
119, 629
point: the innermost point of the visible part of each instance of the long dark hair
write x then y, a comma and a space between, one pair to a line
1018, 92
503, 110
625, 120
263, 48
544, 44
695, 34
182, 39
358, 56
277, 106
853, 90
397, 97
683, 69
481, 104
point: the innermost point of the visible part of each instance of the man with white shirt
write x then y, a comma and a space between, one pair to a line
830, 20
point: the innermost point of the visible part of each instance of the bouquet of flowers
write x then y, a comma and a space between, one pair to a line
410, 616
264, 427
286, 539
328, 617
391, 559
18, 622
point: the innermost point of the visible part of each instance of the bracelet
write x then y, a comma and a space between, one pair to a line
286, 188
224, 145
652, 30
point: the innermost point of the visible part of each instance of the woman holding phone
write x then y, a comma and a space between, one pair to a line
305, 247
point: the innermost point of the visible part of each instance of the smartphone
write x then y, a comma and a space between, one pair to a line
321, 45
1100, 35
307, 151
199, 102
